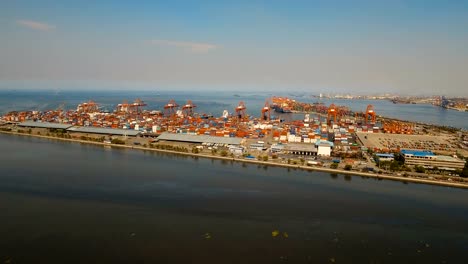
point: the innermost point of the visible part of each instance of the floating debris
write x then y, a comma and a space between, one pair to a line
207, 235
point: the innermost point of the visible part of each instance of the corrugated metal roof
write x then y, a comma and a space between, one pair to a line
421, 153
200, 138
384, 155
449, 159
103, 130
44, 125
301, 147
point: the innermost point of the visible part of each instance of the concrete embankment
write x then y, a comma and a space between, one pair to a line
265, 163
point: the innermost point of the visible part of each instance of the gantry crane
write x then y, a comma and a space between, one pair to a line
240, 111
332, 113
266, 111
170, 109
370, 114
187, 109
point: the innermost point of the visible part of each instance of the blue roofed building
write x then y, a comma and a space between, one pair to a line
428, 159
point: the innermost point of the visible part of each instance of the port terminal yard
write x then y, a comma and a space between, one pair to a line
350, 138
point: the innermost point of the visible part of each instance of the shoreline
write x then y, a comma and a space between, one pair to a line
265, 163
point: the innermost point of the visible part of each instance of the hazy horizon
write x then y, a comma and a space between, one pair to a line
347, 47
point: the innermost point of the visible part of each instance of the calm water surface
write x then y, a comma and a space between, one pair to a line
66, 202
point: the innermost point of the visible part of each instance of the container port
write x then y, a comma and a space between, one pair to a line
324, 134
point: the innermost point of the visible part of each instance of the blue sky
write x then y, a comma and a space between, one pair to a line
411, 47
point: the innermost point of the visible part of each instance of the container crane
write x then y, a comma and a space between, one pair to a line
240, 111
170, 109
266, 111
88, 107
123, 107
137, 105
332, 113
370, 114
187, 109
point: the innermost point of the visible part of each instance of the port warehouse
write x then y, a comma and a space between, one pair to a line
320, 148
199, 139
129, 132
429, 159
79, 129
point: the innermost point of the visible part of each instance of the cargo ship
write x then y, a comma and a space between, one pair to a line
281, 108
281, 104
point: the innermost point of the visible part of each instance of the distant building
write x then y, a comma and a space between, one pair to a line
430, 160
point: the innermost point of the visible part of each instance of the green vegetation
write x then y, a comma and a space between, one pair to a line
334, 166
419, 169
195, 150
171, 147
398, 164
116, 141
224, 153
348, 167
265, 158
274, 156
6, 129
302, 160
464, 172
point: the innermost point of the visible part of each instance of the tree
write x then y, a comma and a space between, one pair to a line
419, 169
400, 158
464, 172
265, 158
395, 166
118, 141
348, 167
224, 153
334, 165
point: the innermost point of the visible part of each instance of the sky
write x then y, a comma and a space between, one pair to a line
357, 47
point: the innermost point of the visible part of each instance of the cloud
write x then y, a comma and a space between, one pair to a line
35, 25
190, 46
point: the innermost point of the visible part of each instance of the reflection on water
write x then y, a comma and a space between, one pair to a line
86, 204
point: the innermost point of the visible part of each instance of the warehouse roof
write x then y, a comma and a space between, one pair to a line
102, 130
450, 159
301, 147
384, 155
44, 125
199, 138
420, 153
